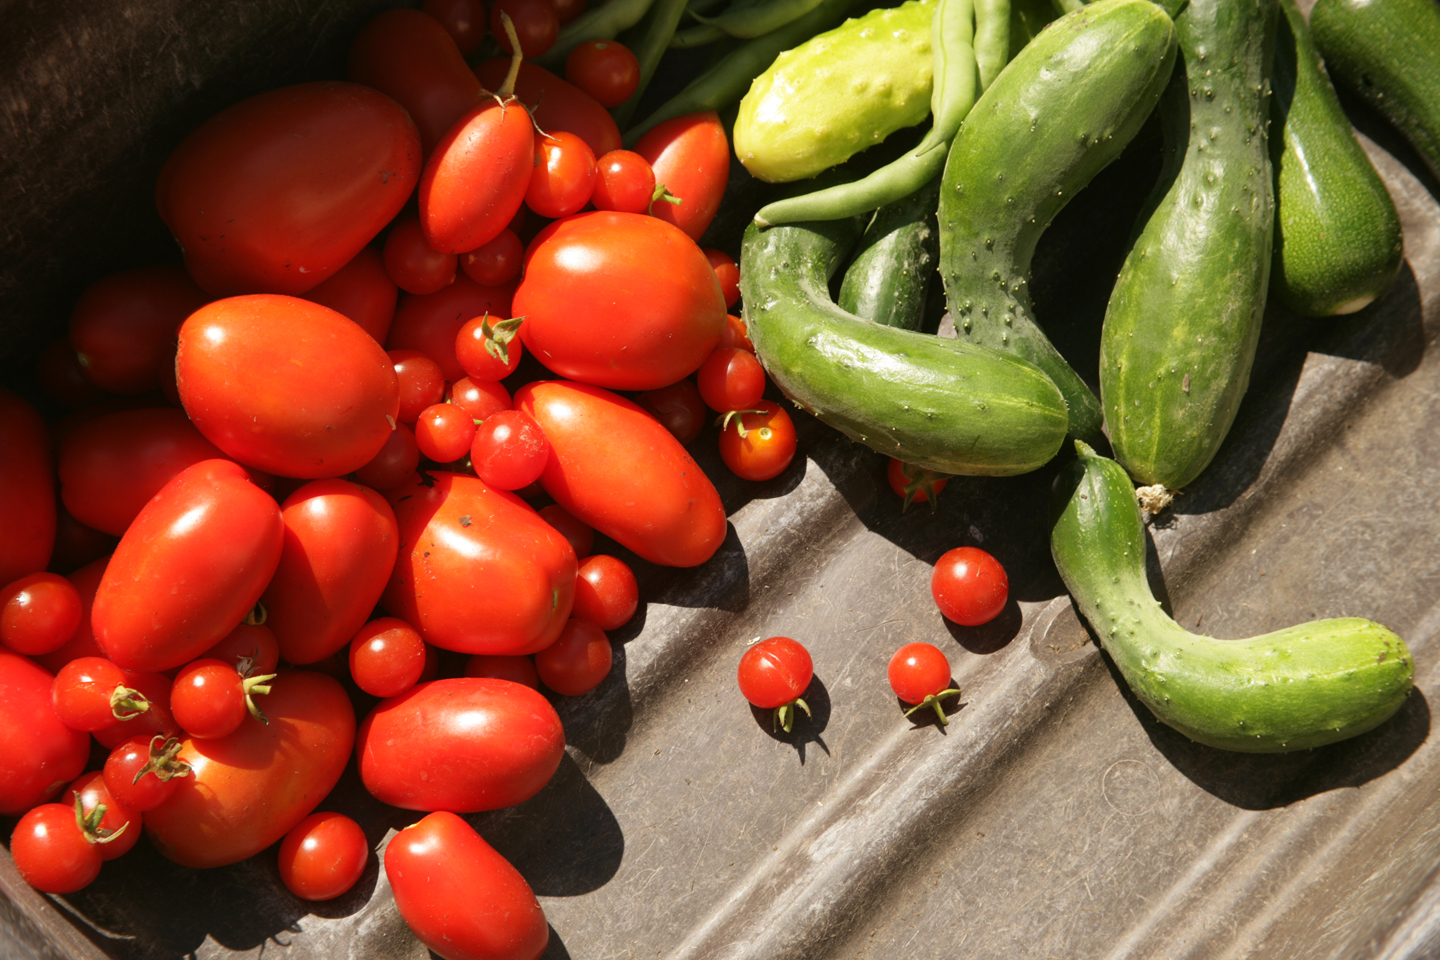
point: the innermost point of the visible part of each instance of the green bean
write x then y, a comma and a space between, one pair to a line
664, 18
956, 86
754, 21
992, 38
602, 23
1063, 7
699, 36
726, 82
702, 6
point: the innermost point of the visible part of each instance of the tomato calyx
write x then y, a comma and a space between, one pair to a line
662, 194
127, 703
253, 686
164, 763
919, 480
723, 422
89, 823
498, 336
784, 718
933, 700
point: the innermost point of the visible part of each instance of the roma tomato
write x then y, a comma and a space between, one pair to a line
188, 569
728, 272
476, 177
580, 535
27, 490
759, 446
774, 674
278, 192
478, 570
461, 898
691, 157
514, 669
394, 464
249, 789
323, 856
464, 744
618, 300
340, 544
617, 469
123, 327
556, 104
970, 586
363, 291
286, 385
38, 753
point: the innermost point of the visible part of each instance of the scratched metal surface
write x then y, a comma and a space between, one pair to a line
1053, 818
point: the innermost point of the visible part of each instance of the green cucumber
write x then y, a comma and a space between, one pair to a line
889, 279
1338, 243
946, 405
1055, 117
1301, 687
1184, 318
838, 93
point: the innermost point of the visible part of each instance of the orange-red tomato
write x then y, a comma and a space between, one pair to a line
363, 291
431, 323
555, 103
767, 446
475, 178
38, 753
123, 327
691, 157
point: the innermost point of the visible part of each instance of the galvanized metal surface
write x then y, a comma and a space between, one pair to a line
1053, 818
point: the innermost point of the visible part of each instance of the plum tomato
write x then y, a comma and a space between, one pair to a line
580, 534
679, 408
914, 484
323, 856
387, 657
363, 291
38, 613
563, 177
919, 674
51, 852
691, 157
605, 69
515, 669
578, 660
623, 182
509, 451
736, 334
123, 327
773, 675
758, 445
970, 586
38, 753
606, 593
555, 103
394, 464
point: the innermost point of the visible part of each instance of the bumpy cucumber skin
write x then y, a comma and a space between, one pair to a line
1301, 687
838, 93
942, 404
1388, 51
889, 279
1184, 318
1062, 110
1338, 243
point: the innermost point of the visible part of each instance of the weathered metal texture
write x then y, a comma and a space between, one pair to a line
1053, 817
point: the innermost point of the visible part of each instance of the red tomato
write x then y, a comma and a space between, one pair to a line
61, 377
123, 327
475, 178
568, 9
422, 383
141, 772
563, 176
249, 789
111, 466
38, 613
414, 265
278, 192
209, 699
759, 446
409, 56
340, 544
479, 398
615, 468
914, 484
497, 262
730, 379
679, 407
691, 157
509, 450
118, 827
465, 744
188, 569
535, 22
86, 581
774, 674
618, 300
286, 385
577, 661
478, 570
514, 669
89, 694
605, 69
580, 535
555, 104
38, 753
464, 20
431, 324
489, 350
76, 544
394, 464
27, 490
727, 271
363, 291
252, 642
155, 688
387, 657
51, 852
970, 587
444, 432
461, 898
623, 182
323, 856
920, 675
606, 593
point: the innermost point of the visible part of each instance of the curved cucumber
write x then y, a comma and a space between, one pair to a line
1338, 243
1184, 318
1301, 687
947, 405
1059, 113
889, 279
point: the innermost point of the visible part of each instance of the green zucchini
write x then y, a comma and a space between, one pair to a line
889, 279
1184, 318
1301, 687
1387, 51
1055, 117
1338, 243
946, 405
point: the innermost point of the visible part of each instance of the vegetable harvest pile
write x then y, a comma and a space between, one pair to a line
331, 488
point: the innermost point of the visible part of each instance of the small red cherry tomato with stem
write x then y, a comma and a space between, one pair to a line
623, 182
251, 647
387, 657
496, 262
606, 593
154, 687
970, 586
115, 825
414, 265
51, 851
605, 69
516, 669
578, 660
38, 613
920, 675
510, 450
727, 271
774, 674
489, 350
758, 444
141, 772
444, 432
915, 484
323, 856
730, 379
90, 694
210, 698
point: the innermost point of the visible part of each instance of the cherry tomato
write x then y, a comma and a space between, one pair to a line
157, 718
189, 568
89, 694
568, 9
387, 657
606, 593
107, 819
460, 898
464, 20
774, 674
556, 104
759, 446
27, 490
394, 464
679, 408
479, 398
38, 753
623, 182
615, 468
123, 327
489, 350
51, 852
727, 271
535, 22
478, 570
363, 291
409, 55
278, 192
563, 177
914, 484
141, 771
476, 177
578, 660
210, 699
510, 450
464, 744
691, 157
414, 265
605, 69
515, 669
323, 856
444, 432
920, 675
497, 262
422, 383
970, 587
730, 379
286, 385
432, 323
618, 300
38, 613
249, 789
82, 643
